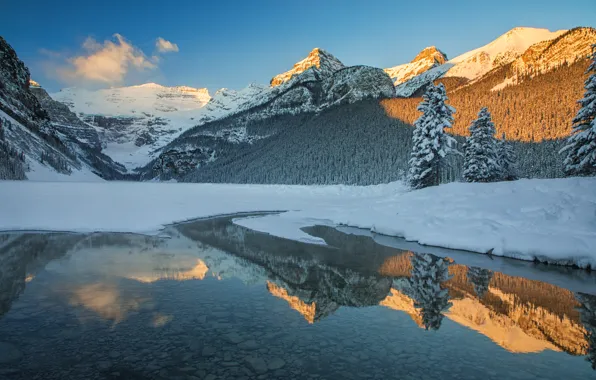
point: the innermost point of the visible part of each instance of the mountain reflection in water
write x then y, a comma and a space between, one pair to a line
106, 276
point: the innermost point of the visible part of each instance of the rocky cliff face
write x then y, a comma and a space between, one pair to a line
319, 60
64, 120
15, 97
81, 138
42, 133
25, 129
356, 83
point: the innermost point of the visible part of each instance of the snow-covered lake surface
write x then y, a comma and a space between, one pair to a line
545, 220
211, 299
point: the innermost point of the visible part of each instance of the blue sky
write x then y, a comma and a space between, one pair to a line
233, 43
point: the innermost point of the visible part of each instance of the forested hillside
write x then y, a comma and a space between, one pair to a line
349, 144
12, 163
533, 110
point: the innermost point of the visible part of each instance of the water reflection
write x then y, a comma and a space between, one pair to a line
587, 312
123, 278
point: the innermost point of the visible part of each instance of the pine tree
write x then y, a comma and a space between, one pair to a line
428, 272
430, 143
480, 152
506, 160
581, 144
480, 279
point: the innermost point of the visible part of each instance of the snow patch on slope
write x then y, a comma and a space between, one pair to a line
41, 173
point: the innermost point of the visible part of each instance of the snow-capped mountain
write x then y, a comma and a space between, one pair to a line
427, 59
318, 59
134, 121
470, 65
499, 52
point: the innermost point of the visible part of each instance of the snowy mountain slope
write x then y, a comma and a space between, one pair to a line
428, 58
318, 59
41, 159
501, 51
133, 121
146, 98
414, 85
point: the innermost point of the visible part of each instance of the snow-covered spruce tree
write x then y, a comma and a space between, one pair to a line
506, 160
480, 151
587, 316
480, 278
428, 272
581, 144
430, 144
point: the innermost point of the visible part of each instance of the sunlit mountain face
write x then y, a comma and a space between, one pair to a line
212, 288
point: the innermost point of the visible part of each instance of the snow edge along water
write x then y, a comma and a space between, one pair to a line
550, 220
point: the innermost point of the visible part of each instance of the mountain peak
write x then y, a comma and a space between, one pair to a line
431, 54
322, 61
428, 58
316, 51
528, 30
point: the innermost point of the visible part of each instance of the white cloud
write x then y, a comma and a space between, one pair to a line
105, 63
164, 46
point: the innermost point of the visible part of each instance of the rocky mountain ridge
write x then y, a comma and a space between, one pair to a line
179, 129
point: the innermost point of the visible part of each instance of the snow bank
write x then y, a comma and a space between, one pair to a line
146, 207
549, 220
42, 173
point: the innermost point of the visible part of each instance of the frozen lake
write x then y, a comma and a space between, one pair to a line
210, 299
